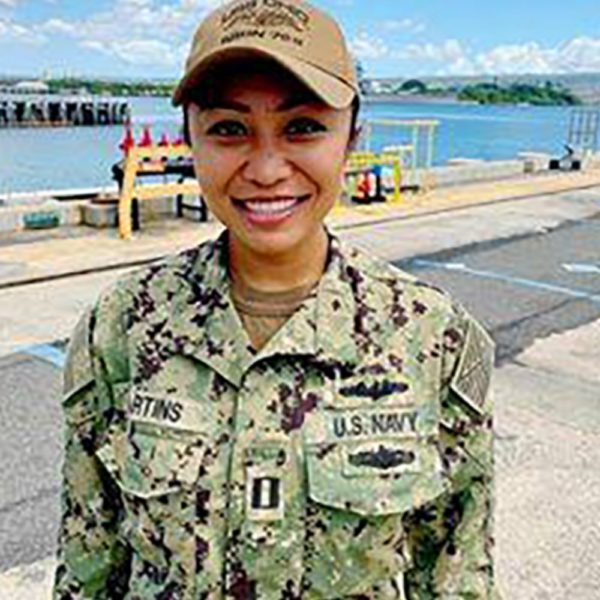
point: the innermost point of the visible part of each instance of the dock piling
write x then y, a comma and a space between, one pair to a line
66, 112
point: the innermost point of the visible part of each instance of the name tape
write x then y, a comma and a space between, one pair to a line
173, 412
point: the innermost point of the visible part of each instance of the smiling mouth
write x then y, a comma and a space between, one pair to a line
270, 206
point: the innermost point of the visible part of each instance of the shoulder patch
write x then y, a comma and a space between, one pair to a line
471, 380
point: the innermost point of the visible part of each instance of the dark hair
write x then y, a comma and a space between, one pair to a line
222, 72
354, 126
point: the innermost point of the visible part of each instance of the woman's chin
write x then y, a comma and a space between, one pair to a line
279, 241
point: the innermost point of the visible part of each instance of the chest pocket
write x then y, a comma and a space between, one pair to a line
156, 470
366, 468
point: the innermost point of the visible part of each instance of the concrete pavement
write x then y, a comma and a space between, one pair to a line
548, 413
547, 482
393, 234
57, 253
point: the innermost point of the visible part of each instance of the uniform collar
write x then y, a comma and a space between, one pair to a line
336, 309
209, 328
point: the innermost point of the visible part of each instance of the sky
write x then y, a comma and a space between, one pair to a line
391, 38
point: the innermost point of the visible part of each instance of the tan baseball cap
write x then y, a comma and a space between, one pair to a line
303, 39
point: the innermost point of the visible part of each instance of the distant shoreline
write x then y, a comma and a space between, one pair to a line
452, 99
412, 98
370, 99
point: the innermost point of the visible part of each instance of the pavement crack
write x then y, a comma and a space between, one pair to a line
39, 495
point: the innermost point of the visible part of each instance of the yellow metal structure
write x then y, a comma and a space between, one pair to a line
410, 161
415, 148
150, 159
362, 161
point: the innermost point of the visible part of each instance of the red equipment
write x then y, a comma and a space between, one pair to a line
146, 139
128, 142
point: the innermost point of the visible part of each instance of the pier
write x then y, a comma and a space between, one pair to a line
504, 246
62, 112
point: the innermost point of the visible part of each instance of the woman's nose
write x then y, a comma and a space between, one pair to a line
267, 165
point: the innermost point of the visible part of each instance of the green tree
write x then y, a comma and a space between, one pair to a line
546, 94
413, 86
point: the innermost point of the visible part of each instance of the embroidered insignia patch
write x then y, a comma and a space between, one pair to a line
472, 378
374, 458
264, 498
383, 458
266, 493
265, 482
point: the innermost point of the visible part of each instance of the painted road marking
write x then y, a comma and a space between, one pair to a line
585, 269
48, 353
531, 283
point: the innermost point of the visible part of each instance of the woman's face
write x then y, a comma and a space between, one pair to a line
269, 159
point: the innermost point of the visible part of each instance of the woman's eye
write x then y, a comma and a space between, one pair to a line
227, 129
304, 126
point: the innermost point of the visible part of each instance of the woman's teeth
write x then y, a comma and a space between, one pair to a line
269, 207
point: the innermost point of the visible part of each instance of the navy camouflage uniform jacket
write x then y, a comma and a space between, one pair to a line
350, 458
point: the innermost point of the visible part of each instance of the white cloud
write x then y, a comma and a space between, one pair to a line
407, 24
58, 26
157, 33
12, 32
452, 57
97, 46
145, 52
367, 46
580, 54
513, 59
140, 52
137, 32
449, 58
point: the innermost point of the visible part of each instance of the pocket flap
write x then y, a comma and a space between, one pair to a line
147, 465
375, 478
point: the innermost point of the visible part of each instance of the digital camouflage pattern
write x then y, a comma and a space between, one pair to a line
350, 458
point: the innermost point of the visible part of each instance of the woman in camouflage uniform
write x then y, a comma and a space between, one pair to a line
274, 414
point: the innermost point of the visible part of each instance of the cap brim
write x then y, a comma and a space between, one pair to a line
333, 91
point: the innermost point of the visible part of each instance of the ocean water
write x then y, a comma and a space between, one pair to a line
36, 159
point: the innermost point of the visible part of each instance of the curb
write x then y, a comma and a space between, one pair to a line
352, 225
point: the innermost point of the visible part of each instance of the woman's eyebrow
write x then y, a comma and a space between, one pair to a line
294, 102
227, 105
288, 104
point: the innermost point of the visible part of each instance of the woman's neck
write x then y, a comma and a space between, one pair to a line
295, 268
